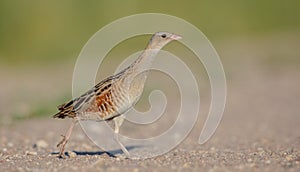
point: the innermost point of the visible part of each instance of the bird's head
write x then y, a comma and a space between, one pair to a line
160, 39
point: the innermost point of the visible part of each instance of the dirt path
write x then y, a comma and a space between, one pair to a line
259, 131
30, 146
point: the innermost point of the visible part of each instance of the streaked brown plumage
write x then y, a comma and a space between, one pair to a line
113, 96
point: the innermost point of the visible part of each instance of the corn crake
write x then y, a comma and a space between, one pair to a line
112, 97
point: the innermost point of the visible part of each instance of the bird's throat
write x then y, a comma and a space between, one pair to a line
145, 60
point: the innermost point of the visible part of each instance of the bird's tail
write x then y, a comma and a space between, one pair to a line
59, 115
65, 110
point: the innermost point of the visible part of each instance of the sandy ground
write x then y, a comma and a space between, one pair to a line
251, 137
30, 146
259, 131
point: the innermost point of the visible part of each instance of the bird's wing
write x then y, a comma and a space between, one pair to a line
86, 102
69, 109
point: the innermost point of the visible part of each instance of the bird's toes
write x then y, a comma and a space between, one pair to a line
61, 156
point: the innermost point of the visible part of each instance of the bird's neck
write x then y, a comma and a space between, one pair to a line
145, 60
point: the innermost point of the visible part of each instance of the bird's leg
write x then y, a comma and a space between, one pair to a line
65, 139
118, 122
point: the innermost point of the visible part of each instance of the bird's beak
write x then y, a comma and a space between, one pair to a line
175, 37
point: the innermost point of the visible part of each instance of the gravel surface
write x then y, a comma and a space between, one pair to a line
25, 150
259, 130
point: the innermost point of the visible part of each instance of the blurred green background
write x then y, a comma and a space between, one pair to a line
42, 31
40, 41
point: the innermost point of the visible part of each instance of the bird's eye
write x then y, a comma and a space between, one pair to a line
163, 35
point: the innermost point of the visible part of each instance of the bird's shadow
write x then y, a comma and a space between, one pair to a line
111, 153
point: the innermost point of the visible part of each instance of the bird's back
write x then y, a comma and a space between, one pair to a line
106, 100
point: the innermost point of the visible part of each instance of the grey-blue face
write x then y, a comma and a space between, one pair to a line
160, 39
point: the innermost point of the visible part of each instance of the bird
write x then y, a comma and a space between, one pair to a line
109, 99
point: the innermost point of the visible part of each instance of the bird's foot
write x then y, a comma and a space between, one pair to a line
123, 148
127, 154
61, 155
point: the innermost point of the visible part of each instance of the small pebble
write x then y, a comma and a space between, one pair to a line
186, 165
10, 144
289, 157
260, 149
30, 153
41, 144
72, 154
